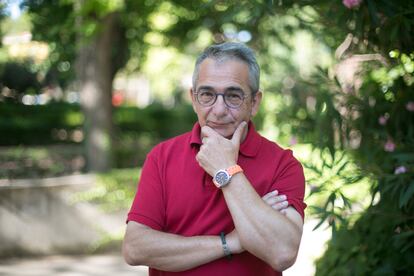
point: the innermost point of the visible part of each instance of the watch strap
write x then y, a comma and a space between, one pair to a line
226, 248
234, 169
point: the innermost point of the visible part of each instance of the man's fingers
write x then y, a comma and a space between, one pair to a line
268, 195
280, 206
238, 134
277, 202
276, 199
207, 131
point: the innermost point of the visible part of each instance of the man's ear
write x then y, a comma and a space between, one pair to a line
257, 99
191, 94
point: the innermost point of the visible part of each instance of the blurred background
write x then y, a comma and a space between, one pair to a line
88, 87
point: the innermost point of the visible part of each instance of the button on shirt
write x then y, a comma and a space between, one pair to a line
177, 196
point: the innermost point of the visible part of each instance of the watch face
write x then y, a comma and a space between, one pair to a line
222, 177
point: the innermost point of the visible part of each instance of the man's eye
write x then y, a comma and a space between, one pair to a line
234, 96
206, 94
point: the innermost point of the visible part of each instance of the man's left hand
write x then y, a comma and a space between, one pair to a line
216, 152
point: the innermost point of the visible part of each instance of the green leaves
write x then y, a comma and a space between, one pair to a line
337, 188
406, 194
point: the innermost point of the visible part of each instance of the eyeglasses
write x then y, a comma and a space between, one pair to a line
232, 98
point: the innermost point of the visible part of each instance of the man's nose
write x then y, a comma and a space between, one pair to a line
220, 106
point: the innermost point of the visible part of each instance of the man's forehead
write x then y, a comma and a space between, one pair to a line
232, 72
222, 75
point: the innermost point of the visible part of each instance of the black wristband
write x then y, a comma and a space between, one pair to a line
226, 248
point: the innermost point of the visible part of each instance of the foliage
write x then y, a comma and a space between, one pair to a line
375, 126
19, 77
13, 26
46, 140
361, 107
337, 189
61, 122
38, 124
141, 129
40, 161
113, 190
67, 25
380, 243
54, 23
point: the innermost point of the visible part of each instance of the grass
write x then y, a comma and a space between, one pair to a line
113, 191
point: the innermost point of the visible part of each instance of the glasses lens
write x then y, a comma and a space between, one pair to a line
206, 97
234, 98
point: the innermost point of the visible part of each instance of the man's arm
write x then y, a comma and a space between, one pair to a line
145, 246
268, 235
271, 236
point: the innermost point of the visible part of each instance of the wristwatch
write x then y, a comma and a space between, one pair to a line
222, 177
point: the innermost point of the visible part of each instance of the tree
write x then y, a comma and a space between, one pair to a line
101, 36
87, 34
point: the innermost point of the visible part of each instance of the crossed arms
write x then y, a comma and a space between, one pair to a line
262, 225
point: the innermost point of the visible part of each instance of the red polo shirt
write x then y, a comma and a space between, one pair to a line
176, 195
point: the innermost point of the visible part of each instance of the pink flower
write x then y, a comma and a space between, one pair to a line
389, 146
410, 106
383, 120
351, 3
293, 141
400, 170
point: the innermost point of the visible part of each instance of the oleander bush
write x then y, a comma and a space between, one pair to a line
362, 106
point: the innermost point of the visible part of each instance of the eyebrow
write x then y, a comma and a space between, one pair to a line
230, 88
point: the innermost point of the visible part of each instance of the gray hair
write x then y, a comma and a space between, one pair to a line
229, 51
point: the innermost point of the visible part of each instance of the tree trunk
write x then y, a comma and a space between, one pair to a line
95, 71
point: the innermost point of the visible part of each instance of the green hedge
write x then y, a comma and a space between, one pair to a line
58, 122
37, 124
46, 140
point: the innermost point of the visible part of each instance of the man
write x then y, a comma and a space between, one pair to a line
207, 201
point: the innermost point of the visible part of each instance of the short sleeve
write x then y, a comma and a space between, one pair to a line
290, 181
148, 207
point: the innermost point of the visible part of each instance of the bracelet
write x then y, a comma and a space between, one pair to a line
226, 248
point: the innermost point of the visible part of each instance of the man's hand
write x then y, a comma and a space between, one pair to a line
217, 152
276, 201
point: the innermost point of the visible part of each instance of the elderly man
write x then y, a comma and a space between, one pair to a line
221, 199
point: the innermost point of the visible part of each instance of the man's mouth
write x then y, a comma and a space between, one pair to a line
217, 124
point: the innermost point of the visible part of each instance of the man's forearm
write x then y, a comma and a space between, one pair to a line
168, 252
269, 235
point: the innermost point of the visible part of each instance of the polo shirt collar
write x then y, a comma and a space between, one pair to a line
249, 147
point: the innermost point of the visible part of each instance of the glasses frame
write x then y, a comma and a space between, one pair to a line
224, 100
